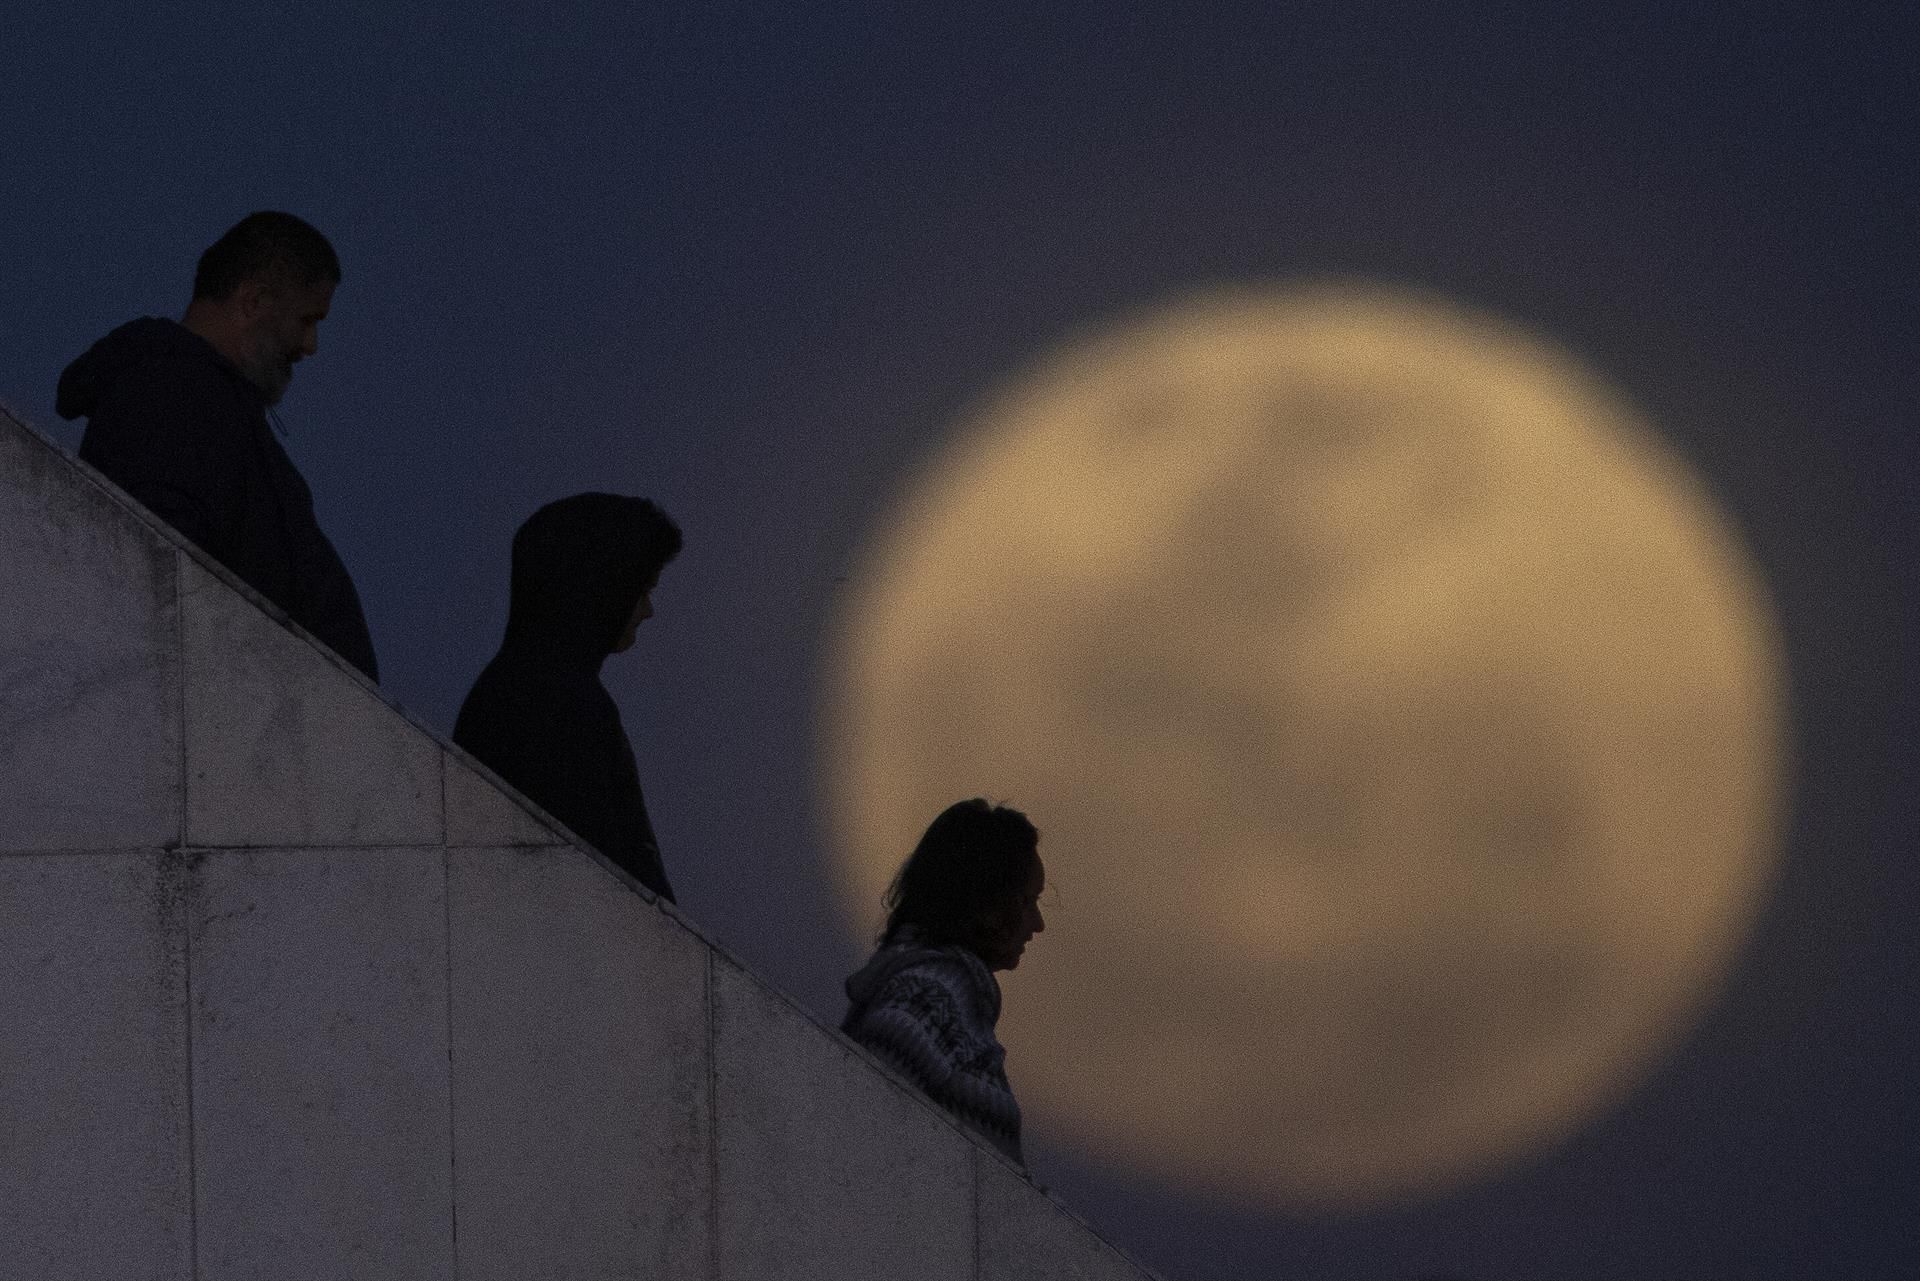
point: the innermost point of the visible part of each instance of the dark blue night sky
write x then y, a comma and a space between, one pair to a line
754, 260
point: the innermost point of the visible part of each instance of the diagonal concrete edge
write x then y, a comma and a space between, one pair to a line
473, 807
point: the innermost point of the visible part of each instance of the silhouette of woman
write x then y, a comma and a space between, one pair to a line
964, 905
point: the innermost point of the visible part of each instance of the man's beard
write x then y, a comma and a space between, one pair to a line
270, 370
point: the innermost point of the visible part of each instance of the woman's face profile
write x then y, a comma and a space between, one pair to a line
1008, 931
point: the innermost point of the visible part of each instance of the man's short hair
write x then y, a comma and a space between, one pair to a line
267, 243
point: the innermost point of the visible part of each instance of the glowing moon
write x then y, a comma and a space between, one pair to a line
1402, 721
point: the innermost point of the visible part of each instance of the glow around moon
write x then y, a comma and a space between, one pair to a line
1402, 722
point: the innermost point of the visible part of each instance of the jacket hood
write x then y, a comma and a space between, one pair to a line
133, 344
901, 950
579, 567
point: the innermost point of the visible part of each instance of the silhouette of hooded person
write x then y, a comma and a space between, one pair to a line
584, 569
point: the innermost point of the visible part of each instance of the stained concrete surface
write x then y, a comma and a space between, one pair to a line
292, 989
319, 1024
580, 1073
89, 670
285, 745
94, 1158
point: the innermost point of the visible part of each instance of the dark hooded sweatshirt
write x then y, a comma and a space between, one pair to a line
181, 429
538, 716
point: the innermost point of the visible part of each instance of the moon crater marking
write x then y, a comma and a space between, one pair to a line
1402, 720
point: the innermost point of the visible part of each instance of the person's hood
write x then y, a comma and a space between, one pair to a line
133, 344
899, 951
579, 566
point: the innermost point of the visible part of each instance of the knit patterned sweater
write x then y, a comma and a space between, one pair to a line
929, 1012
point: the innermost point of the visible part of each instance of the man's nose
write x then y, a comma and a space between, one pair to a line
311, 342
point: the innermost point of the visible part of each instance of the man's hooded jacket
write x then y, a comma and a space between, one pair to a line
538, 716
180, 428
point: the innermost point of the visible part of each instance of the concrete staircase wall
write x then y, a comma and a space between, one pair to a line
290, 987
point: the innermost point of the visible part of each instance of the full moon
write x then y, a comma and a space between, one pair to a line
1402, 720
